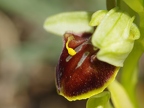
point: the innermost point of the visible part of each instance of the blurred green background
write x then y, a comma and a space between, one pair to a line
29, 54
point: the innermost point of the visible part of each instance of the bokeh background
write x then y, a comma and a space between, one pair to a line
29, 54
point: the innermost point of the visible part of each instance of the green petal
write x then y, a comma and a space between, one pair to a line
99, 101
77, 22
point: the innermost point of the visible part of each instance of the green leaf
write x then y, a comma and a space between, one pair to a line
99, 101
119, 96
77, 22
136, 5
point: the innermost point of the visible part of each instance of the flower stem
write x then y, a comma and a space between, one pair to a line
110, 4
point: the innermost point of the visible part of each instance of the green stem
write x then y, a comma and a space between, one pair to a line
110, 4
118, 3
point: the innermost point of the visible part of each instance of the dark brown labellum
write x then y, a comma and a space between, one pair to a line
81, 73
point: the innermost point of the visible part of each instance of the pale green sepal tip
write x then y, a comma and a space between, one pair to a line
115, 37
97, 17
74, 22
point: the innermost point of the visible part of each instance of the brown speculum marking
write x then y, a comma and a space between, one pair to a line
81, 72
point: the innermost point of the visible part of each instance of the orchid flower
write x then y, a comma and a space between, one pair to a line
95, 47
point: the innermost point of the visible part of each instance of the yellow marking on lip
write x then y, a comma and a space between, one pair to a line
71, 51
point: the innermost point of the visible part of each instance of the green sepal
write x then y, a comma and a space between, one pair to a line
74, 22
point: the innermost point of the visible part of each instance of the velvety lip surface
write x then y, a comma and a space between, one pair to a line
83, 72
